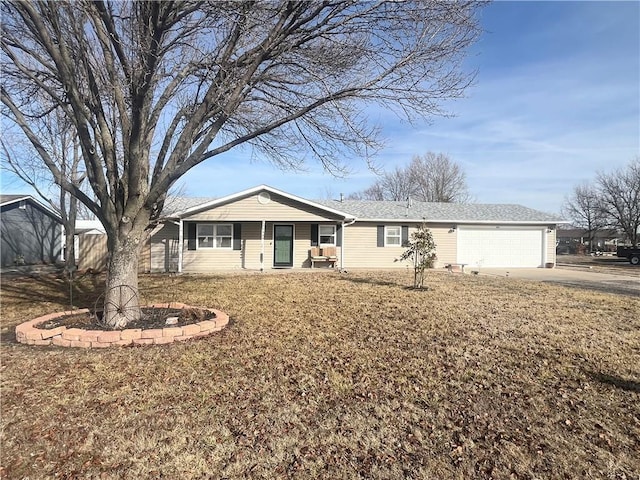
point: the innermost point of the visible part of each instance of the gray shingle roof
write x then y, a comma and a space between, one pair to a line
440, 212
398, 211
178, 204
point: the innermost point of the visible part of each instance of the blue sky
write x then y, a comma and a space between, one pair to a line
556, 99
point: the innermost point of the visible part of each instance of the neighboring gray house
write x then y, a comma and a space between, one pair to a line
31, 232
263, 228
576, 240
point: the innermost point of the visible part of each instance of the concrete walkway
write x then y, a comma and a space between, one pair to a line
624, 284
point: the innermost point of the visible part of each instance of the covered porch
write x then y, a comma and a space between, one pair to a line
259, 245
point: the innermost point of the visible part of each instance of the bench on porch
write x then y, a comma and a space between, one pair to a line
323, 255
331, 254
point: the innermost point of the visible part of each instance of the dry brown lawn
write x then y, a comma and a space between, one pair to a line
323, 375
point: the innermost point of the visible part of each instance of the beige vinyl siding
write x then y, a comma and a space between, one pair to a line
205, 260
164, 248
251, 245
210, 260
361, 250
446, 244
278, 209
301, 244
551, 246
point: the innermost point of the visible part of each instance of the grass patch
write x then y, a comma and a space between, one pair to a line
334, 376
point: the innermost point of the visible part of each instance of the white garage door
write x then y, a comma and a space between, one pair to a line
501, 246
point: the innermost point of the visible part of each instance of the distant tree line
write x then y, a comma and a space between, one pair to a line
612, 200
428, 178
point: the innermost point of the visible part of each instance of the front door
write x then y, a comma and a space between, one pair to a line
283, 246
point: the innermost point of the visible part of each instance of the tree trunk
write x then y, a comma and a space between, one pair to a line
121, 301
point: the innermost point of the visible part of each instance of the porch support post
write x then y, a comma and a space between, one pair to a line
262, 230
342, 232
180, 244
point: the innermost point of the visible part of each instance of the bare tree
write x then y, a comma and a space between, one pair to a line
59, 137
374, 192
437, 178
155, 88
428, 178
397, 185
584, 208
620, 199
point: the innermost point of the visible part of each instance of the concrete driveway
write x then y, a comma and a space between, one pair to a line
627, 283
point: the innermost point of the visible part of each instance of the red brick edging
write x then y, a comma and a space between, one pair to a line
28, 332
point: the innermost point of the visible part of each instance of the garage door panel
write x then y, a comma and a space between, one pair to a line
500, 247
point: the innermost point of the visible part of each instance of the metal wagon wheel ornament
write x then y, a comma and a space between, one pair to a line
126, 303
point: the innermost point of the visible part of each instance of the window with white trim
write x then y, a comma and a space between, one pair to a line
392, 236
214, 235
224, 236
327, 235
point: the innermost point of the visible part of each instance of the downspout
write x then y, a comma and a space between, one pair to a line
180, 244
351, 222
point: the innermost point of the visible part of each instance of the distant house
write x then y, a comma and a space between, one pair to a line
31, 232
263, 228
576, 240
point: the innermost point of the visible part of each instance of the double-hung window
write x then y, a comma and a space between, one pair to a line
327, 235
211, 235
205, 235
224, 236
392, 236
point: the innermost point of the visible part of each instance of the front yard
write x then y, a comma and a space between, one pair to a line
322, 375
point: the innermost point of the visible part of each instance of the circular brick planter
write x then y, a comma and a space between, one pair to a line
30, 334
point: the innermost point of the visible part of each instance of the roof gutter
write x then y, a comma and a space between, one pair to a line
463, 222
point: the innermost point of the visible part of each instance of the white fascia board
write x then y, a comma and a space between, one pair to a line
16, 200
254, 190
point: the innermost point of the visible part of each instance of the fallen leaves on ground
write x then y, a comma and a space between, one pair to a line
323, 375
